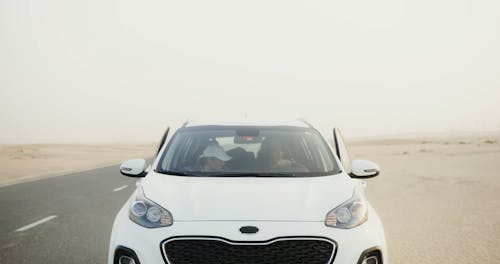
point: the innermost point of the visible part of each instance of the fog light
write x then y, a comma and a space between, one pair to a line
370, 260
371, 256
126, 260
125, 255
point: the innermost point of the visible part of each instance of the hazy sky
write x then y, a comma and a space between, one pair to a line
107, 71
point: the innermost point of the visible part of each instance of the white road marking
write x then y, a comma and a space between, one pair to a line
39, 222
120, 188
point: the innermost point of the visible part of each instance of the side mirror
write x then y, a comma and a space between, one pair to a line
364, 169
133, 168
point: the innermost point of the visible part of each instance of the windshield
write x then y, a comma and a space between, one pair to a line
247, 151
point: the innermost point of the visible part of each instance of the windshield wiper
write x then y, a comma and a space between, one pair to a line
177, 173
227, 174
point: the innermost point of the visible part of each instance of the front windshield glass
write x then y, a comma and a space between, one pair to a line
247, 151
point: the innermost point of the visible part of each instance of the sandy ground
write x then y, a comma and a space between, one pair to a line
27, 162
439, 199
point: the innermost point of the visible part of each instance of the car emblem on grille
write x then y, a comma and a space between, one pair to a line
249, 229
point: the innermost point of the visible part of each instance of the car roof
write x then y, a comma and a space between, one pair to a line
293, 123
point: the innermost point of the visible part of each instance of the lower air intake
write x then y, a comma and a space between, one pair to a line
210, 250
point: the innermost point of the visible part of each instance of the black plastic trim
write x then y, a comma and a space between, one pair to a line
125, 251
162, 142
370, 252
336, 141
140, 175
246, 242
363, 177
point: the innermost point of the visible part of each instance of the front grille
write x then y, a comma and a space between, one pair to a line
211, 250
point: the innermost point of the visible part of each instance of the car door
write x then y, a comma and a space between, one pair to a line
341, 150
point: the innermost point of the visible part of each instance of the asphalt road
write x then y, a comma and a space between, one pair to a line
65, 219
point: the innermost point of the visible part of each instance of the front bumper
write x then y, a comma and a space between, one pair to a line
146, 243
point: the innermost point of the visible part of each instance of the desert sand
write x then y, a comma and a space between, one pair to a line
29, 162
439, 199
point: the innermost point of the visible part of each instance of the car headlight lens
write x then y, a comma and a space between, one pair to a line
349, 214
154, 214
147, 213
138, 208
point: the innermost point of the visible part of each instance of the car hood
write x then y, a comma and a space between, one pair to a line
248, 198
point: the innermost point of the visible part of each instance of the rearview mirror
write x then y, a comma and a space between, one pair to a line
133, 168
364, 169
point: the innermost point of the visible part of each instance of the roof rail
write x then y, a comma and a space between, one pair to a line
303, 120
186, 123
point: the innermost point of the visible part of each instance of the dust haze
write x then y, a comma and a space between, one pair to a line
120, 71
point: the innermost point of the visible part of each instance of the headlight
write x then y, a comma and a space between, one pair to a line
146, 213
349, 214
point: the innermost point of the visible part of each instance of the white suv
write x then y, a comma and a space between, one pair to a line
259, 193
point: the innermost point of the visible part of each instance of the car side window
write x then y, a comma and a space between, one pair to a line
342, 151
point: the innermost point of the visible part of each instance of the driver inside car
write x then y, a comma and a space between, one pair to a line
272, 156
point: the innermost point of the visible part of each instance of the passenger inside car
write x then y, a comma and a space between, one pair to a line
213, 158
241, 160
